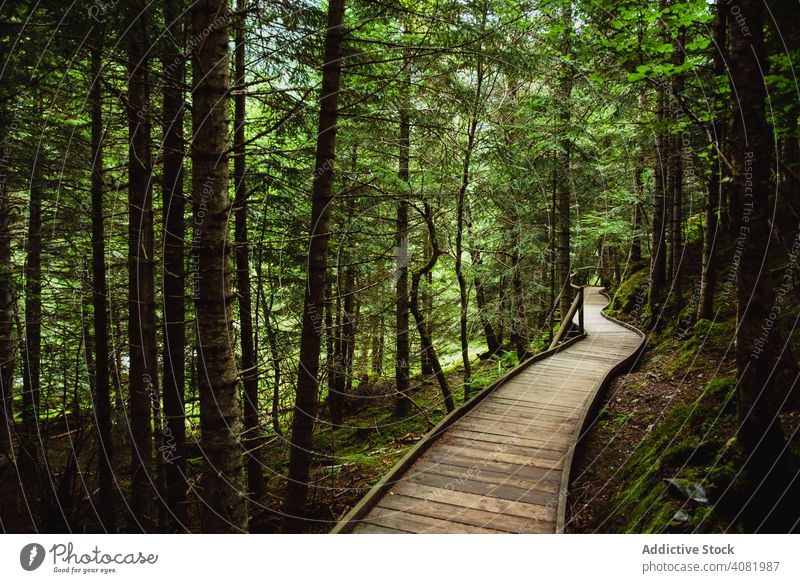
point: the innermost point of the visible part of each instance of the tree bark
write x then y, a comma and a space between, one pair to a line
223, 488
311, 335
402, 357
143, 371
758, 343
519, 328
252, 431
419, 318
461, 206
30, 438
174, 273
426, 299
676, 181
7, 429
658, 258
564, 192
708, 276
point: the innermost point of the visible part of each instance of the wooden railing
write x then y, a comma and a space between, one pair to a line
567, 320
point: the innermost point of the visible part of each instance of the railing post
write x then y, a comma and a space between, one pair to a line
580, 314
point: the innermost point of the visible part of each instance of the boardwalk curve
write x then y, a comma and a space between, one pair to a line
501, 463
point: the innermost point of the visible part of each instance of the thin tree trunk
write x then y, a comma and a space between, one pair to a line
174, 446
30, 438
419, 317
519, 328
564, 191
348, 336
6, 303
402, 359
758, 342
658, 259
635, 252
311, 335
492, 341
461, 207
252, 432
222, 489
426, 299
708, 276
676, 182
378, 347
143, 371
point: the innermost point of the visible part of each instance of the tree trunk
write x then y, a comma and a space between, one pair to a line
519, 328
758, 343
348, 335
426, 299
6, 300
378, 347
311, 335
30, 438
676, 182
708, 276
143, 372
419, 318
461, 206
222, 489
402, 357
564, 192
658, 258
174, 274
635, 252
102, 386
252, 432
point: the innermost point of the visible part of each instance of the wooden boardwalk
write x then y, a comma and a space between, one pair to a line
503, 465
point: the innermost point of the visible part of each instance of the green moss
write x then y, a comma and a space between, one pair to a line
630, 292
692, 439
705, 335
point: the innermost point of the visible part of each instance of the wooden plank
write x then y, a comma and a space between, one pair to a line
538, 416
518, 425
469, 516
542, 413
467, 463
529, 460
481, 488
525, 444
407, 521
367, 528
551, 451
529, 404
544, 484
535, 512
511, 429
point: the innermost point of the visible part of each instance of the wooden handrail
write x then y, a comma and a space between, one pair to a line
566, 321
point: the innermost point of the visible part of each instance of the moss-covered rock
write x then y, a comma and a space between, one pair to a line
691, 443
631, 293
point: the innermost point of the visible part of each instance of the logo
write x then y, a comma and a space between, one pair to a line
31, 556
